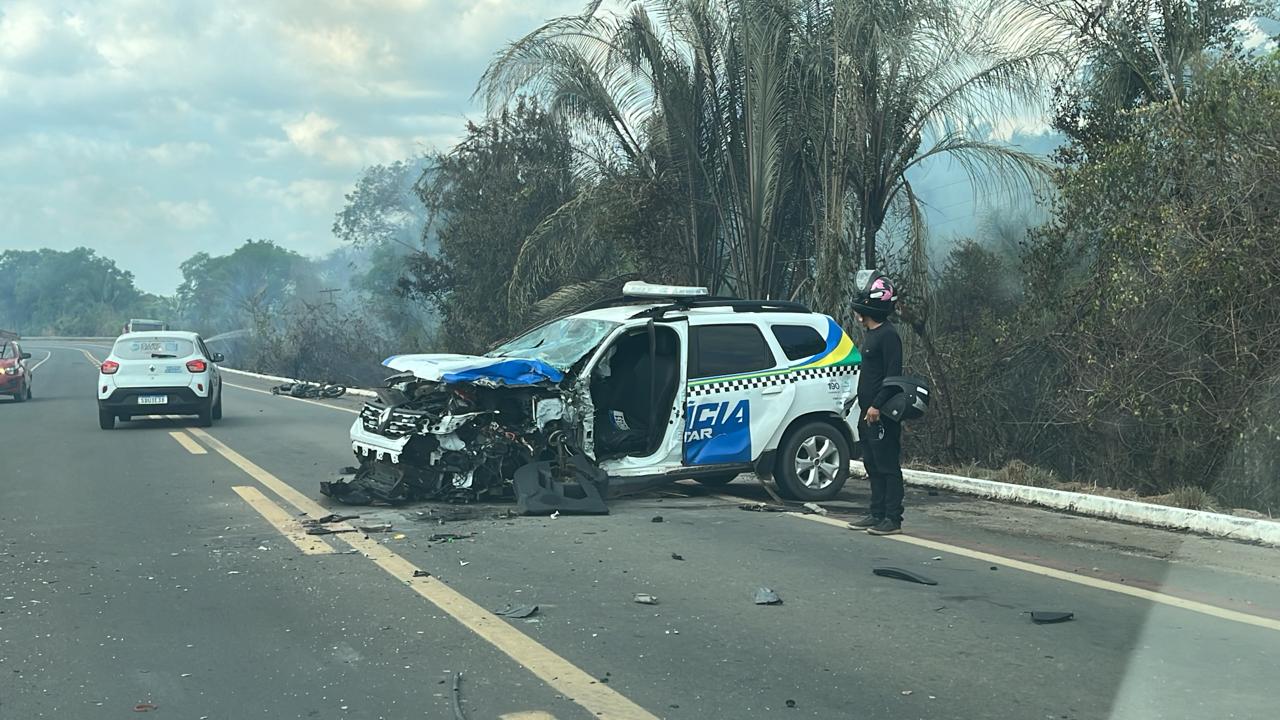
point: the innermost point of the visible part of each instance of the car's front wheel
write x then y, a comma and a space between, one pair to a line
813, 462
106, 419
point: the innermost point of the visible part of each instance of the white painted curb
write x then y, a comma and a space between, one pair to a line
275, 378
1266, 532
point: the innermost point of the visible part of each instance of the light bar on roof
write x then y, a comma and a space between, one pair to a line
639, 289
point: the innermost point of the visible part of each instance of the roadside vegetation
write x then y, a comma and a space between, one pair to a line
1114, 325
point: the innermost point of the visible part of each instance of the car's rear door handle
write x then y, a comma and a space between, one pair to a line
772, 390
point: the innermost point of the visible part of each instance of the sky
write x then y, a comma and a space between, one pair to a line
150, 130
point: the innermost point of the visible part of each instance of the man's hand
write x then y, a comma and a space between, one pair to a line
873, 416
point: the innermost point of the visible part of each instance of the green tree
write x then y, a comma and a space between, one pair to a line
222, 293
485, 197
786, 128
76, 292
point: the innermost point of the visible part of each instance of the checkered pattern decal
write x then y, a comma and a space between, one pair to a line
737, 384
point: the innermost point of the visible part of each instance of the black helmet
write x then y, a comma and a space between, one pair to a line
911, 399
874, 294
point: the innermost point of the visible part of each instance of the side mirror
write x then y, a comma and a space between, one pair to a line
26, 356
217, 357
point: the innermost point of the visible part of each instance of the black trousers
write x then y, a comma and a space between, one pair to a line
882, 456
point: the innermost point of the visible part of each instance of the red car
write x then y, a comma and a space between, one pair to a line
15, 376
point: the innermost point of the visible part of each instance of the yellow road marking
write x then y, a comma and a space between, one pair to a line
533, 715
90, 356
309, 402
1143, 593
185, 441
287, 525
599, 699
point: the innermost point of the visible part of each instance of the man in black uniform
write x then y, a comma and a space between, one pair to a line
881, 437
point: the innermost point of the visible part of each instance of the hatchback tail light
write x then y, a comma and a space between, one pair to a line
110, 367
197, 366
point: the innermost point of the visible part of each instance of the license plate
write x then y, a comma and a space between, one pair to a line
153, 399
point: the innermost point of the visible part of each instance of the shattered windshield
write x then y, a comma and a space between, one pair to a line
560, 343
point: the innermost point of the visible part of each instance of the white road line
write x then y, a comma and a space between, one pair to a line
1097, 583
48, 354
290, 397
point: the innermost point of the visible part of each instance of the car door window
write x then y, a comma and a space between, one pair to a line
728, 350
6, 351
799, 341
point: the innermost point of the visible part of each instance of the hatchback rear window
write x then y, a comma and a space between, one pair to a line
145, 348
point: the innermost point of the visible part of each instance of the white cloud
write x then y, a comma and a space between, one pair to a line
185, 215
128, 124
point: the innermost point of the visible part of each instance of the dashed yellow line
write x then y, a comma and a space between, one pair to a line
571, 681
1097, 583
189, 444
282, 521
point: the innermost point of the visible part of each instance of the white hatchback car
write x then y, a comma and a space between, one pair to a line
159, 373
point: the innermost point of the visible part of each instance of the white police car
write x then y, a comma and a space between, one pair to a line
661, 384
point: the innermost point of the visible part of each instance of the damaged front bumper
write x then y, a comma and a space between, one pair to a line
464, 441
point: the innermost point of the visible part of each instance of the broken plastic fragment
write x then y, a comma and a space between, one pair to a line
677, 556
385, 527
421, 573
449, 537
791, 703
764, 507
657, 518
144, 707
646, 599
765, 596
900, 574
815, 508
320, 530
1044, 617
332, 519
519, 611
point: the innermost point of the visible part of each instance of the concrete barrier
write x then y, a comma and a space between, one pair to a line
1256, 530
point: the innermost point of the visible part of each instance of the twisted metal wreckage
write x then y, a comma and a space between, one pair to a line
459, 426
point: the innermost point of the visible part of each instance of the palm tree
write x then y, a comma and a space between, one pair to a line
786, 129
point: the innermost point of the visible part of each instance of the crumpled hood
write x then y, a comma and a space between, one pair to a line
476, 370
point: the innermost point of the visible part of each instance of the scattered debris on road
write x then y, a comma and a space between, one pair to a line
321, 530
329, 519
421, 573
900, 574
766, 596
519, 611
815, 508
457, 697
791, 703
764, 507
656, 518
646, 599
449, 537
1046, 617
677, 556
145, 707
384, 527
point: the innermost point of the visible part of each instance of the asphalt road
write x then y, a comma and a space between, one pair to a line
139, 576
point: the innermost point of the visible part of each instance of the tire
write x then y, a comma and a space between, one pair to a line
717, 480
205, 416
106, 419
799, 478
23, 396
217, 407
28, 392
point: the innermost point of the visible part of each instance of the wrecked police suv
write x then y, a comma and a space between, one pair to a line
661, 384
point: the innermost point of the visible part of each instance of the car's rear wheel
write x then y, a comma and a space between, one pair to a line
813, 463
217, 407
206, 415
28, 392
717, 480
106, 419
